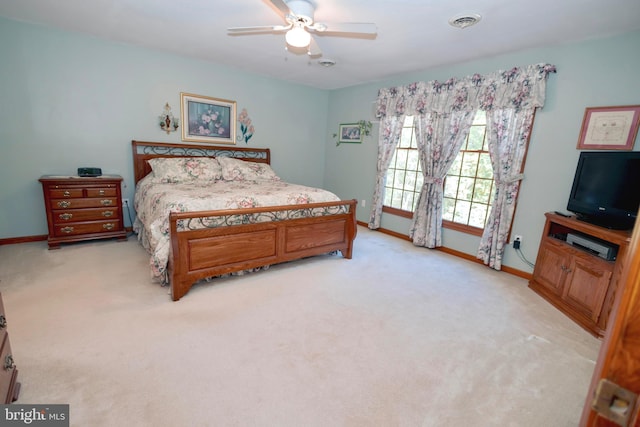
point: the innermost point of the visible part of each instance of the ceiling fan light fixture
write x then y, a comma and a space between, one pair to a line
297, 37
300, 27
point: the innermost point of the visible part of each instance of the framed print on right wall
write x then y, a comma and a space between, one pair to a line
609, 128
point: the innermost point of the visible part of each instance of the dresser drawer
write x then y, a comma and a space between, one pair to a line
74, 215
7, 368
101, 192
61, 230
65, 193
83, 203
9, 387
3, 322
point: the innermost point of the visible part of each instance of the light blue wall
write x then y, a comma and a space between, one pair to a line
69, 100
594, 73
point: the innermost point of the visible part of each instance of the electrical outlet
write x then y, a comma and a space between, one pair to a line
364, 203
517, 241
125, 202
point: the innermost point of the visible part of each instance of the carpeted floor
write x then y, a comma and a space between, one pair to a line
396, 336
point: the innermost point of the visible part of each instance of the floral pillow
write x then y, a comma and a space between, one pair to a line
185, 169
240, 170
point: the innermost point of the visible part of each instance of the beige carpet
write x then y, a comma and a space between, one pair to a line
397, 336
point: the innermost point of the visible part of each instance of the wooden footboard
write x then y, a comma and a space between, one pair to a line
211, 243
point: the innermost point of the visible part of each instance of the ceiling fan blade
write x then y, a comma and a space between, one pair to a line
262, 29
281, 6
346, 27
313, 49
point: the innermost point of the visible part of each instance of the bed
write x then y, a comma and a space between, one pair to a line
229, 213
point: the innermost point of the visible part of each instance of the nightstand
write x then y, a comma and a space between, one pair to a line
83, 208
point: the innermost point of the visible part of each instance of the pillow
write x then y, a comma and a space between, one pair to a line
240, 170
185, 169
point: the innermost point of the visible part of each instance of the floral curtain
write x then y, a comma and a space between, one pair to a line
508, 132
516, 88
439, 138
390, 131
502, 94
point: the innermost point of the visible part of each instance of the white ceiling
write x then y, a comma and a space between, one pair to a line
413, 35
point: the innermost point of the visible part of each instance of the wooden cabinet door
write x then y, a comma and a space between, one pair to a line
587, 284
551, 266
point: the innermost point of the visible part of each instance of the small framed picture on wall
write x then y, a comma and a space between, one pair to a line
609, 128
350, 132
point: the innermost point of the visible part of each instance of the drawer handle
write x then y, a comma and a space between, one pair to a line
3, 321
66, 193
66, 216
8, 363
101, 192
108, 226
107, 213
565, 269
67, 230
64, 204
106, 202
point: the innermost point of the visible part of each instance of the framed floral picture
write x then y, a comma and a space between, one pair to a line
609, 128
350, 132
206, 119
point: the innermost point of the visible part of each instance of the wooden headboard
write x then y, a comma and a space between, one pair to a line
143, 151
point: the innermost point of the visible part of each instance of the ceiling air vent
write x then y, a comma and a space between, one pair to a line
464, 21
326, 62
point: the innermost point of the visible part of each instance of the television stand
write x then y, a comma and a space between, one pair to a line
580, 283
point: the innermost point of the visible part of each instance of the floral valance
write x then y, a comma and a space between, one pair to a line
516, 88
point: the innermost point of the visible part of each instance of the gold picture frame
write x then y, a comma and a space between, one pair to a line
207, 119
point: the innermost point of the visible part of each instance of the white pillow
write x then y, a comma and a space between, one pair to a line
185, 169
240, 170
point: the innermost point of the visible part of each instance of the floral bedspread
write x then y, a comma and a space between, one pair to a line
155, 201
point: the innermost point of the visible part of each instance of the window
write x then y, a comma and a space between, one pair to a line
468, 186
404, 177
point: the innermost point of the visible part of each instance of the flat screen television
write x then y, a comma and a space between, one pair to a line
606, 189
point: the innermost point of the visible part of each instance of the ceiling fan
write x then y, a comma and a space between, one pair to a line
300, 25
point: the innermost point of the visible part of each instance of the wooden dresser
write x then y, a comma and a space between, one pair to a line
83, 208
9, 387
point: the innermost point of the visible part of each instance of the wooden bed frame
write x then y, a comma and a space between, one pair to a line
207, 252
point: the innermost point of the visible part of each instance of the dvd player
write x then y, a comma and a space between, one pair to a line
602, 249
